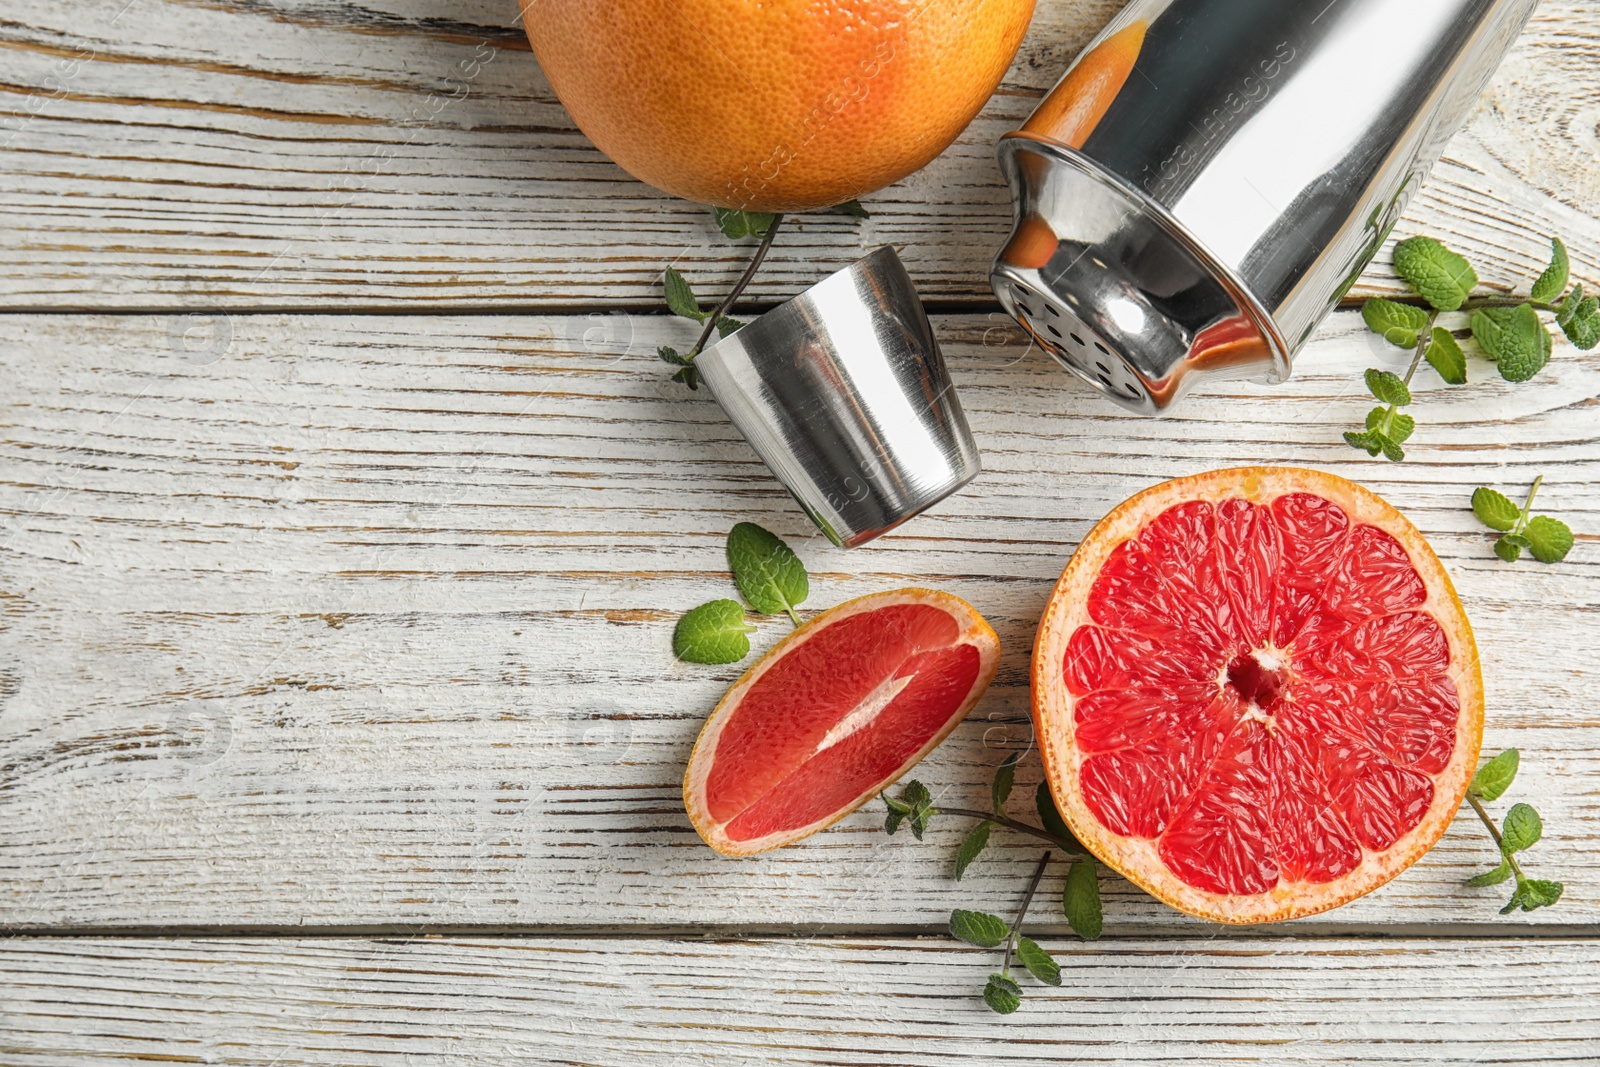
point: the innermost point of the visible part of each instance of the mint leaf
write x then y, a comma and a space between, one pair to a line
1395, 322
1445, 356
1400, 427
767, 571
1569, 307
1051, 819
681, 299
725, 326
1003, 994
852, 208
713, 633
1444, 278
975, 842
1388, 387
670, 355
1514, 338
1368, 442
688, 375
922, 809
1553, 282
1488, 329
1040, 964
1080, 899
1004, 775
735, 224
1521, 829
898, 810
1494, 877
1548, 539
1391, 450
1540, 894
1495, 510
1583, 325
1532, 893
1496, 776
979, 928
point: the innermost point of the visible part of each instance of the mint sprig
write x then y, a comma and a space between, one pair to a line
1508, 330
772, 579
1003, 993
1549, 539
1519, 831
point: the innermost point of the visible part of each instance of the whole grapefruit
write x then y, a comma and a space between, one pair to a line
1256, 693
774, 105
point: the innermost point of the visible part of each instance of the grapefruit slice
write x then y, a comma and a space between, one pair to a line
839, 710
1256, 694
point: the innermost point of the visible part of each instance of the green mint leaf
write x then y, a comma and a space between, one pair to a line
1582, 327
1538, 893
1391, 449
681, 299
1496, 776
1444, 278
979, 928
713, 633
670, 355
898, 810
1080, 899
1375, 419
1004, 775
852, 208
1003, 994
1569, 306
1445, 356
1395, 322
1548, 539
1494, 877
1518, 899
975, 842
1521, 829
1495, 510
1517, 539
735, 224
1388, 387
1553, 282
1052, 821
1489, 330
1367, 442
767, 571
1401, 427
1040, 964
689, 375
725, 326
919, 807
1524, 344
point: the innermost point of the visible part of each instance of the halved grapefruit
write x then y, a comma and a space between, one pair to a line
1256, 693
836, 712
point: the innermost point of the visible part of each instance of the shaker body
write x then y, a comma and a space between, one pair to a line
1234, 165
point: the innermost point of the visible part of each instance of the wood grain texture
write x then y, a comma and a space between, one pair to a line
263, 153
394, 1002
338, 620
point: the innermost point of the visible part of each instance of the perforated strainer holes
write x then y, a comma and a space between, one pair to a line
1074, 344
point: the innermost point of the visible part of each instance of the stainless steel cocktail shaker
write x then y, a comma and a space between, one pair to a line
1210, 177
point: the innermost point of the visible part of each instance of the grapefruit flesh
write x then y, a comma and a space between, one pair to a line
781, 105
1256, 693
837, 711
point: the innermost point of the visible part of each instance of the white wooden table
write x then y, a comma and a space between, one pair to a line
347, 512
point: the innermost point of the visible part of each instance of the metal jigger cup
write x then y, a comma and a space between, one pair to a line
843, 393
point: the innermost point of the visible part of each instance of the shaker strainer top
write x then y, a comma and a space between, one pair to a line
1211, 176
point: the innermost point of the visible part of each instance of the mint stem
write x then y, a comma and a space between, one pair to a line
1022, 912
1069, 847
1506, 302
1527, 507
792, 616
1494, 832
739, 287
1424, 339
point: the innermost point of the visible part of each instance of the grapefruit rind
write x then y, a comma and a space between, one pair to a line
1137, 859
974, 630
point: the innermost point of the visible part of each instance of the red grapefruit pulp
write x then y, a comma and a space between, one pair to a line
1256, 693
836, 712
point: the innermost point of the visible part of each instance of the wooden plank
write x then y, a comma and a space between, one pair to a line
346, 620
379, 1002
258, 153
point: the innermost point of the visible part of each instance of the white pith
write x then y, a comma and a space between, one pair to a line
869, 708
